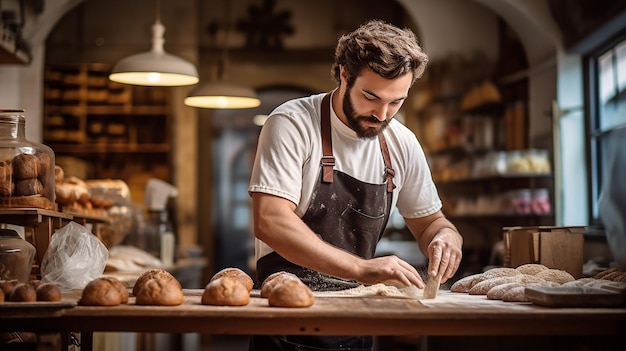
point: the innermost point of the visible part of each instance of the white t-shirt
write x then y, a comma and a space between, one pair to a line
289, 154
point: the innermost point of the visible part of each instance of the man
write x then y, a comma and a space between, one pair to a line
330, 168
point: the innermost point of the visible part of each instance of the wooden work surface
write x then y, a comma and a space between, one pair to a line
448, 314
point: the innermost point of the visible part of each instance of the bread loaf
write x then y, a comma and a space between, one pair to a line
531, 268
23, 292
275, 279
121, 288
155, 273
498, 272
25, 166
464, 284
498, 291
481, 288
48, 292
555, 275
157, 292
291, 293
100, 292
238, 274
226, 291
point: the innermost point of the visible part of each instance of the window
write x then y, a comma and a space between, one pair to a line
606, 134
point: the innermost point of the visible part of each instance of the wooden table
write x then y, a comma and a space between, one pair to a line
449, 314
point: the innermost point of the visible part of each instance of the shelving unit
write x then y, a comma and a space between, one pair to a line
107, 129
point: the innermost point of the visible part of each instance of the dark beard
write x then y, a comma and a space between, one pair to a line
355, 121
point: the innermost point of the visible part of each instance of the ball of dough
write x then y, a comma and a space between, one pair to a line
238, 274
274, 279
48, 292
23, 292
226, 291
160, 292
531, 268
555, 275
100, 292
498, 272
291, 293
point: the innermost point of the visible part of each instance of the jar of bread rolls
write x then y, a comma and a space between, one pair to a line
26, 167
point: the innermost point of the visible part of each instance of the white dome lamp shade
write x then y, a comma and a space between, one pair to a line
222, 95
155, 67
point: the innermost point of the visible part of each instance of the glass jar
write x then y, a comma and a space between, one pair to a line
26, 167
16, 256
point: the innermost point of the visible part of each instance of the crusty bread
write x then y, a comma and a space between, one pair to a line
226, 291
100, 292
238, 274
275, 279
531, 268
156, 273
23, 292
481, 288
121, 288
464, 284
291, 293
160, 292
48, 292
555, 275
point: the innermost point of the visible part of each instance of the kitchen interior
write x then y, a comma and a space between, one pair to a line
506, 113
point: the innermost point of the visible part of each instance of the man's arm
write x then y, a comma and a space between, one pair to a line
440, 241
277, 225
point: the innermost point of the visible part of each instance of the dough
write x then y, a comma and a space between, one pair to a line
226, 291
555, 275
498, 291
579, 282
482, 288
291, 293
531, 268
238, 274
498, 272
464, 284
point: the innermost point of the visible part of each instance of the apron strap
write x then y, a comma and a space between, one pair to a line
328, 160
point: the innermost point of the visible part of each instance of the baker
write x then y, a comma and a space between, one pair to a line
329, 170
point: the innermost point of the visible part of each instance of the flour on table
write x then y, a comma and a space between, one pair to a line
380, 289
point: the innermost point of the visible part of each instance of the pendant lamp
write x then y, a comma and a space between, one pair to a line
222, 93
155, 67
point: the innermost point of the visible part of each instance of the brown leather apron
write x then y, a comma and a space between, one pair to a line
347, 213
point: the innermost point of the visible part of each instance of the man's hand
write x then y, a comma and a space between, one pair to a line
387, 269
444, 253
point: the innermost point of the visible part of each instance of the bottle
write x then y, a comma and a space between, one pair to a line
26, 167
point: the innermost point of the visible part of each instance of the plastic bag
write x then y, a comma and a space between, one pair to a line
74, 257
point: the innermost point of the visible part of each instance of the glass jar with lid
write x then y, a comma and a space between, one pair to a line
26, 167
16, 256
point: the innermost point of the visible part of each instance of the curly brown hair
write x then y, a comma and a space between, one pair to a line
387, 50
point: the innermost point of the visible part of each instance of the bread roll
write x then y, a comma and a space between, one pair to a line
160, 292
291, 293
531, 268
121, 288
6, 286
23, 292
27, 187
226, 291
555, 275
100, 292
464, 284
155, 273
238, 274
25, 166
48, 292
274, 279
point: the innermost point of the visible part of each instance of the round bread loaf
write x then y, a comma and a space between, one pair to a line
482, 288
23, 292
291, 293
531, 268
236, 273
464, 284
121, 288
226, 291
275, 279
100, 292
160, 292
48, 292
155, 273
25, 166
555, 275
